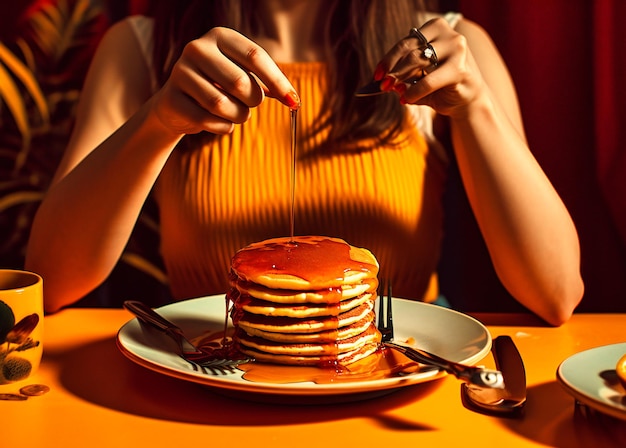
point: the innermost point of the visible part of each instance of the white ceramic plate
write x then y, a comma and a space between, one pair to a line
591, 378
447, 333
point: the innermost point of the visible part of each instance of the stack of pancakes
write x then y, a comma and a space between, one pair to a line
306, 300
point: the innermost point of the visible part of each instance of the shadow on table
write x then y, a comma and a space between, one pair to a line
553, 418
99, 373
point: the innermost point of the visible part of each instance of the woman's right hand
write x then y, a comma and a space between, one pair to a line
216, 81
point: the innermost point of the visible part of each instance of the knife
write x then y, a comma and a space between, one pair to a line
509, 401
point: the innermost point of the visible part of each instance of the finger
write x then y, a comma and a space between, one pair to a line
410, 49
190, 117
202, 55
421, 61
209, 96
219, 102
266, 90
443, 77
418, 92
433, 28
256, 60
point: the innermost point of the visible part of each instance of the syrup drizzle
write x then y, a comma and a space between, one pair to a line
226, 345
294, 120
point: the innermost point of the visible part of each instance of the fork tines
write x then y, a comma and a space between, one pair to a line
385, 315
217, 367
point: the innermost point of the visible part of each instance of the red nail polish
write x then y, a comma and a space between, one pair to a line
379, 72
293, 100
387, 83
400, 88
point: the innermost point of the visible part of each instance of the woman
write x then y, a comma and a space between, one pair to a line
178, 103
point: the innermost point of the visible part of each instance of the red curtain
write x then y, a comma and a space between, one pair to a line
568, 60
610, 106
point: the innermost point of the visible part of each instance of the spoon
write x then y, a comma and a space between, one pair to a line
506, 402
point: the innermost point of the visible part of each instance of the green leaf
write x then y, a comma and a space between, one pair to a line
57, 25
13, 99
20, 197
26, 76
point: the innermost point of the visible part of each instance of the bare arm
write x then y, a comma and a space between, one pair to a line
84, 222
530, 236
122, 139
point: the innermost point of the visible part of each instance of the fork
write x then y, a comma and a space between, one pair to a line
471, 374
200, 360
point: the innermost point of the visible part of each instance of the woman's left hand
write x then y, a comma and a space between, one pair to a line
449, 81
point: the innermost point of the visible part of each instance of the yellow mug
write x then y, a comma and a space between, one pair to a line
21, 325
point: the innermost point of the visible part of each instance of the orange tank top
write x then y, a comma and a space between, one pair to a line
235, 190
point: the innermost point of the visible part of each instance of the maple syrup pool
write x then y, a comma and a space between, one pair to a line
384, 363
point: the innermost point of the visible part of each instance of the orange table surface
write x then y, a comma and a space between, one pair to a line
98, 397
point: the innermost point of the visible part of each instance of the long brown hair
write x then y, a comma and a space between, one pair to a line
357, 34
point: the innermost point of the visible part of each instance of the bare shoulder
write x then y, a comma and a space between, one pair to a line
120, 66
478, 40
126, 34
475, 34
492, 67
116, 86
